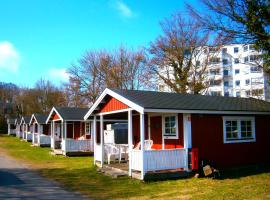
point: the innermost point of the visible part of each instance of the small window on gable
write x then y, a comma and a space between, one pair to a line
238, 129
170, 127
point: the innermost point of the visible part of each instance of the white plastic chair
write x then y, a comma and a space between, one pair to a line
112, 152
147, 145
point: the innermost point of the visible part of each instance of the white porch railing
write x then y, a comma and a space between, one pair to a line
29, 136
97, 153
44, 139
35, 138
71, 145
12, 131
155, 160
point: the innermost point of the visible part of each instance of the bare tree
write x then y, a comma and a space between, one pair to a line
181, 55
245, 21
96, 70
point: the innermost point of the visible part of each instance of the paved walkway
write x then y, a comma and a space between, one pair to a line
17, 181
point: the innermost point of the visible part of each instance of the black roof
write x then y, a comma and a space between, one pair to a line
27, 119
69, 113
175, 101
41, 119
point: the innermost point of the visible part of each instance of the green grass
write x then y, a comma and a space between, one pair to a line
79, 174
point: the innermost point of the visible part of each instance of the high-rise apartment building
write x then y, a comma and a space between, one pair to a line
234, 70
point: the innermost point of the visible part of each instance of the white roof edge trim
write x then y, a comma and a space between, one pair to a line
118, 97
206, 111
53, 109
33, 116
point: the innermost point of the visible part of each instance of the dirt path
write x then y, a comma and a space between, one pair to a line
17, 181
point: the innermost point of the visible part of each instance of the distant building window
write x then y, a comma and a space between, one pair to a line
251, 47
256, 81
226, 72
170, 124
225, 61
255, 69
215, 93
237, 83
235, 49
224, 50
215, 82
214, 71
213, 49
198, 63
236, 60
248, 93
246, 59
214, 60
253, 58
238, 94
247, 81
257, 92
226, 83
226, 94
238, 129
237, 71
246, 48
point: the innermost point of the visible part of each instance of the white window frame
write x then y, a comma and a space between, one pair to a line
176, 136
239, 119
87, 133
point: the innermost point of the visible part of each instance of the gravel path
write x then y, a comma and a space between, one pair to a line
17, 181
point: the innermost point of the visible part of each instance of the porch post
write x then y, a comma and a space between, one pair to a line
65, 135
142, 144
94, 136
33, 135
63, 142
187, 136
52, 135
38, 133
8, 129
102, 140
130, 142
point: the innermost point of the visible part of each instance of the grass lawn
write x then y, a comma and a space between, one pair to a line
79, 173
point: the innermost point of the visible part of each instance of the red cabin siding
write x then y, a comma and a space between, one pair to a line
55, 117
207, 136
112, 105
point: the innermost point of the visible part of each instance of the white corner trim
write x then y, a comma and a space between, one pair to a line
53, 110
116, 96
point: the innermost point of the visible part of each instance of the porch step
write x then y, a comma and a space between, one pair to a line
112, 172
56, 152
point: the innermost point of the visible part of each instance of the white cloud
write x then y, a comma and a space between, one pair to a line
124, 10
58, 74
9, 57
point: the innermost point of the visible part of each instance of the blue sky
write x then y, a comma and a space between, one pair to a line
41, 38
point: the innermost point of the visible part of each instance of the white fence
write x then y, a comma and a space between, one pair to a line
155, 160
97, 153
71, 145
12, 131
29, 136
44, 139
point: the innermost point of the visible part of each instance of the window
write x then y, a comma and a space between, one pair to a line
248, 93
225, 61
198, 63
255, 69
236, 60
215, 82
226, 94
214, 60
253, 58
246, 48
235, 49
238, 94
224, 50
237, 83
246, 59
251, 47
257, 92
238, 129
226, 72
226, 83
170, 127
87, 128
215, 93
237, 71
214, 71
247, 81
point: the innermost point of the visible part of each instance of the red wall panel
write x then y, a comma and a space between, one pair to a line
207, 136
113, 104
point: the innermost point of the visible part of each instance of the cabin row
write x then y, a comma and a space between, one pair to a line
148, 132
